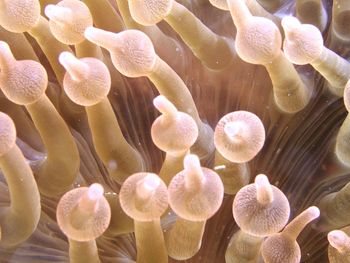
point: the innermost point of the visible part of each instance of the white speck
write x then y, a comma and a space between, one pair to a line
112, 165
220, 167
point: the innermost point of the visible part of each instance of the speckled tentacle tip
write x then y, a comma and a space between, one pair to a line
36, 25
339, 245
258, 41
283, 247
144, 197
168, 48
24, 82
238, 138
342, 147
145, 62
19, 220
87, 83
83, 214
214, 51
183, 131
195, 194
259, 209
10, 11
68, 20
304, 45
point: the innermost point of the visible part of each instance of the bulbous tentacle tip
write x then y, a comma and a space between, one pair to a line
335, 237
7, 133
83, 214
95, 192
263, 189
303, 42
192, 163
290, 23
164, 106
195, 193
23, 81
147, 186
87, 80
296, 226
100, 37
180, 126
314, 212
132, 51
68, 20
11, 11
57, 13
147, 13
144, 197
194, 174
239, 136
6, 56
77, 69
261, 209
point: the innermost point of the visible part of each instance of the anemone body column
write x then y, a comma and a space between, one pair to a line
20, 219
303, 44
24, 82
133, 55
258, 41
195, 194
83, 214
182, 130
144, 197
87, 83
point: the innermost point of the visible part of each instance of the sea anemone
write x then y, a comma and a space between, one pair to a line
82, 141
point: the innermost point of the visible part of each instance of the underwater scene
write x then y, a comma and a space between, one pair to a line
155, 131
